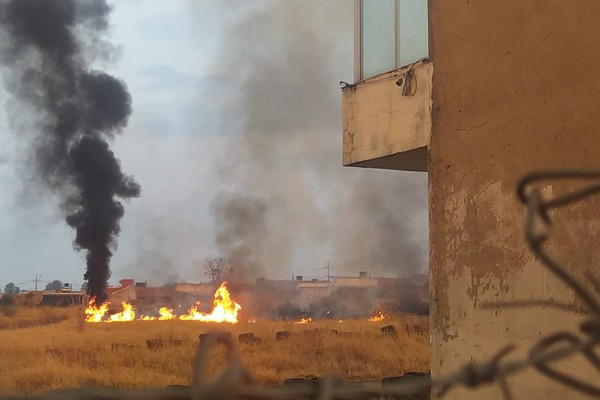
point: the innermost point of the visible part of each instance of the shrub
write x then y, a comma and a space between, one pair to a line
7, 300
8, 311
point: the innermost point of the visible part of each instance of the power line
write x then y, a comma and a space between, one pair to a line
296, 271
22, 283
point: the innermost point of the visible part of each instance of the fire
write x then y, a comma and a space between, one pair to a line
164, 315
304, 321
95, 313
378, 317
128, 314
225, 310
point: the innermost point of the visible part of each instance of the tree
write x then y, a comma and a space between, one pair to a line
10, 288
54, 286
215, 268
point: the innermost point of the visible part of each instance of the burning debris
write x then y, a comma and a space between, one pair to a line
225, 310
73, 112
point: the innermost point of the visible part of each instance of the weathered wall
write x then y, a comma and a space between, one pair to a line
515, 88
382, 128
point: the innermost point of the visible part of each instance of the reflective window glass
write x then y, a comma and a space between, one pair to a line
412, 31
393, 33
377, 37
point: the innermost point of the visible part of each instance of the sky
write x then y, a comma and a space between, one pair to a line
235, 139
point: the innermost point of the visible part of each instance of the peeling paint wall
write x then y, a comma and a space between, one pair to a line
379, 122
515, 88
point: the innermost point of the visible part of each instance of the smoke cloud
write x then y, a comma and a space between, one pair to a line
241, 223
288, 198
47, 47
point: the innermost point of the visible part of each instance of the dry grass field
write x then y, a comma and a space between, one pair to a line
70, 353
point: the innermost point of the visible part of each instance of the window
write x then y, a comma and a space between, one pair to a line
390, 34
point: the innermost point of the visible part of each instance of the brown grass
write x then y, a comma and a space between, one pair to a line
25, 317
41, 358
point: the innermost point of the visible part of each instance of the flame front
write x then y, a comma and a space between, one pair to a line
128, 314
378, 317
304, 321
225, 310
95, 313
165, 313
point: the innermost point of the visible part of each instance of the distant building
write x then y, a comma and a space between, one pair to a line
349, 296
198, 289
62, 299
126, 294
146, 296
311, 292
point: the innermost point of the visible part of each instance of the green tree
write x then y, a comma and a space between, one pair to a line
10, 288
54, 286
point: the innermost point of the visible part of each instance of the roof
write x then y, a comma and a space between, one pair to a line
118, 290
112, 289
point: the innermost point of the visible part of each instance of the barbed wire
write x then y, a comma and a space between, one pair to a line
237, 382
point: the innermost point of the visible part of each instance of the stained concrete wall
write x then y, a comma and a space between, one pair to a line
515, 88
384, 129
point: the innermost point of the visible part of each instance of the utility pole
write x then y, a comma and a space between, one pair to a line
328, 274
36, 280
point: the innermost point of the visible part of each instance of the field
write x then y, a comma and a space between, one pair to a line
71, 353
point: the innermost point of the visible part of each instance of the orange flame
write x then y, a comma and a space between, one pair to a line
95, 313
225, 310
304, 321
128, 314
377, 317
164, 315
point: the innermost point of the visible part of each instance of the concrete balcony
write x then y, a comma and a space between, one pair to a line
387, 119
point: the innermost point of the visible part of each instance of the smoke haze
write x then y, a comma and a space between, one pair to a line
244, 133
287, 194
69, 113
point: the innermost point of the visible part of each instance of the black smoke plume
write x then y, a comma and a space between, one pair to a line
46, 49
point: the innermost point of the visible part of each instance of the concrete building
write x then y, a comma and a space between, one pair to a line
60, 299
197, 289
507, 87
125, 294
314, 291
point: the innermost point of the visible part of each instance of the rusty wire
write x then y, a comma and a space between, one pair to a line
237, 382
